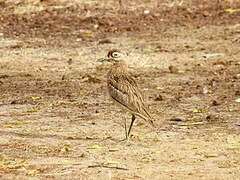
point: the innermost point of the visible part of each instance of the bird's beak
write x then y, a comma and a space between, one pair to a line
103, 60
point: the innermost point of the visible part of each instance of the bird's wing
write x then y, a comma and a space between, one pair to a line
125, 91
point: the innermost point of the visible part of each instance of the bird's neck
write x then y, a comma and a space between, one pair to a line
119, 66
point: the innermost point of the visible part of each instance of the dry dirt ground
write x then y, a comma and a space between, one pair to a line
57, 121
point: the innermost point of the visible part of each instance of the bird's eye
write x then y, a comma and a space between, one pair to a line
116, 54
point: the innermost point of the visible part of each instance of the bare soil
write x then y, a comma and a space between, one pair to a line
57, 121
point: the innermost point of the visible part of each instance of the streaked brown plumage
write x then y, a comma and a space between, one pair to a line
124, 90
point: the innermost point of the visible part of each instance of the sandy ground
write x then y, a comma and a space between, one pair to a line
57, 121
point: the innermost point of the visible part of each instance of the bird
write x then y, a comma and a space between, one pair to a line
124, 90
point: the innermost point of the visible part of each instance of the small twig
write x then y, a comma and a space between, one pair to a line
103, 166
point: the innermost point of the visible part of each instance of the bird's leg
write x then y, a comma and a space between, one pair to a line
125, 126
133, 119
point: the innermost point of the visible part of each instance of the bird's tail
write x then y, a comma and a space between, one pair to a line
151, 122
147, 117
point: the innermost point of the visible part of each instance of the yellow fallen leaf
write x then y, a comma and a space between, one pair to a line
49, 104
157, 139
147, 159
65, 148
81, 53
9, 126
32, 172
2, 155
20, 122
45, 129
35, 2
182, 127
87, 32
35, 98
231, 10
140, 167
95, 147
233, 141
72, 100
46, 104
191, 127
62, 27
66, 161
225, 165
28, 52
96, 26
110, 162
196, 111
137, 134
140, 124
119, 110
113, 149
45, 148
32, 110
159, 88
18, 162
233, 147
217, 128
144, 171
194, 119
187, 127
196, 147
18, 10
62, 102
210, 155
160, 151
83, 93
107, 136
2, 162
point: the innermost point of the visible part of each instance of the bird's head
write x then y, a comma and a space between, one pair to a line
113, 55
